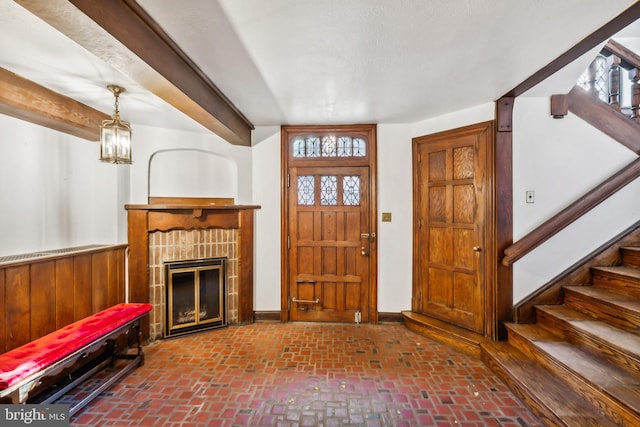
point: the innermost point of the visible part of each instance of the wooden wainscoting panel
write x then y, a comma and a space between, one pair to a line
3, 313
82, 286
115, 277
42, 298
64, 295
47, 291
17, 308
99, 281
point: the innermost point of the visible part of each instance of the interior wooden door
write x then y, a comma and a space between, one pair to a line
330, 254
449, 240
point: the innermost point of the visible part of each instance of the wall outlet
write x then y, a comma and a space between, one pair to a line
530, 196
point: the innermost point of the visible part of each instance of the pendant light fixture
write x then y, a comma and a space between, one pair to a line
115, 135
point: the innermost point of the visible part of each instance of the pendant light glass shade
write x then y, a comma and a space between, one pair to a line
115, 135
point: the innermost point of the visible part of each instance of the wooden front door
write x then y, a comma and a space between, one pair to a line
330, 236
450, 191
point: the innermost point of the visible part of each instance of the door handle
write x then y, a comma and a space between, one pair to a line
368, 235
477, 248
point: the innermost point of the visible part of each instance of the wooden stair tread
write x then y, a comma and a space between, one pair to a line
617, 270
613, 337
631, 248
597, 372
608, 296
625, 280
605, 304
548, 396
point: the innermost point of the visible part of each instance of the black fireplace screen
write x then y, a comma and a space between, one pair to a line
195, 298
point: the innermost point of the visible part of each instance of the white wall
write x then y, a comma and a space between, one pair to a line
190, 177
394, 238
562, 159
180, 172
266, 192
54, 192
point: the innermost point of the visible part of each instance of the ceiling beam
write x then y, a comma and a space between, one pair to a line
26, 100
123, 35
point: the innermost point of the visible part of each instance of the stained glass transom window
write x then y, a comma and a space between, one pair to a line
329, 146
306, 147
351, 190
328, 190
306, 190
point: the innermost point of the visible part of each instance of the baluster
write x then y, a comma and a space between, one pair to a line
614, 82
634, 76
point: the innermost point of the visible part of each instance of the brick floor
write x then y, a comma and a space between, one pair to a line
304, 374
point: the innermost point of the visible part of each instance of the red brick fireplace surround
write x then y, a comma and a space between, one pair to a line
172, 229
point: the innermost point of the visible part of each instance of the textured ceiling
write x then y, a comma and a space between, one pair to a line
322, 61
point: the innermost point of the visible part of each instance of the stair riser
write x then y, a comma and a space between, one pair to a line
604, 403
602, 310
619, 283
630, 258
628, 362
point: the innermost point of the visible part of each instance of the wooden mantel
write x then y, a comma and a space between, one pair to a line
189, 214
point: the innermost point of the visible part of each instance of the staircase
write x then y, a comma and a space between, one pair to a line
579, 364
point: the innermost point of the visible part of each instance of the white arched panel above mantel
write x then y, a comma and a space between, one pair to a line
190, 172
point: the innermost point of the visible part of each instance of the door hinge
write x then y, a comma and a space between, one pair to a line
420, 223
288, 242
288, 180
419, 157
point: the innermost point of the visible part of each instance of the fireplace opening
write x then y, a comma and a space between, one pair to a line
195, 296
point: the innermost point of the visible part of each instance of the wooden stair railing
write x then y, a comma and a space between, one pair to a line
608, 118
621, 57
605, 117
571, 213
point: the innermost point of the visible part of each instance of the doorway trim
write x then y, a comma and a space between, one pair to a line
288, 132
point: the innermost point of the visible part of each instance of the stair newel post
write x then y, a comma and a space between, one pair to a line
614, 82
634, 76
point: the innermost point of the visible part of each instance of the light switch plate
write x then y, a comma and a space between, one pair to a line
386, 216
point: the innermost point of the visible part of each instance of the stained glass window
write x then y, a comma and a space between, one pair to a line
595, 78
328, 190
306, 190
351, 190
328, 146
306, 147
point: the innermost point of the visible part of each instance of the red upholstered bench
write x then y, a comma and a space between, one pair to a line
24, 369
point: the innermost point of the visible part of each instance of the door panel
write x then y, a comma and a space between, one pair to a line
329, 272
449, 173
